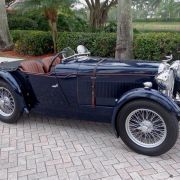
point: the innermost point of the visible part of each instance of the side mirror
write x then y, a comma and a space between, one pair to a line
82, 50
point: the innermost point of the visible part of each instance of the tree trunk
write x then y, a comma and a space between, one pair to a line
53, 26
98, 17
5, 37
52, 17
99, 12
124, 46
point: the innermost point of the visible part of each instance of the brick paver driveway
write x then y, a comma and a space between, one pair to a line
47, 148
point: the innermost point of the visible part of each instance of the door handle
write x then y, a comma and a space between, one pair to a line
55, 86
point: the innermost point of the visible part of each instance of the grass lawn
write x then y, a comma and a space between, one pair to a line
157, 26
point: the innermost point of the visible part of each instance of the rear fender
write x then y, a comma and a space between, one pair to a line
142, 93
8, 78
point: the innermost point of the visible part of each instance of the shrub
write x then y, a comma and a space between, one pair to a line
71, 24
29, 21
73, 39
158, 20
99, 44
22, 23
17, 35
150, 46
32, 42
34, 20
39, 18
154, 46
111, 27
104, 45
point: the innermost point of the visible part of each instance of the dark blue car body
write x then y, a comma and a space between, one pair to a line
87, 87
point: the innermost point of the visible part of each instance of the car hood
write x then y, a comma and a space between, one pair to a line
112, 66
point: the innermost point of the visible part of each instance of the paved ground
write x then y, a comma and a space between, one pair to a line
46, 148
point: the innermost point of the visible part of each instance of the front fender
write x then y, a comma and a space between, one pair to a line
142, 93
8, 78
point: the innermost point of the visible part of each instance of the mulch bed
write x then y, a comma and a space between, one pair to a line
13, 54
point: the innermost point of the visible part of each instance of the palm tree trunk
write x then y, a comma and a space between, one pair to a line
53, 26
5, 37
124, 46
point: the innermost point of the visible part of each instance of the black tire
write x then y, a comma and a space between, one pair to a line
170, 120
17, 110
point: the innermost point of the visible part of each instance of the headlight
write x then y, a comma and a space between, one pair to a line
176, 67
163, 67
165, 81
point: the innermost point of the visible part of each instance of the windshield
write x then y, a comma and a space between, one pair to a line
67, 52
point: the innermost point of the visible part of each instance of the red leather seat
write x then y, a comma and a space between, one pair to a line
32, 67
47, 63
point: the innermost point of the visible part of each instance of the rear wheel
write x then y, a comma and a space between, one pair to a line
147, 128
10, 110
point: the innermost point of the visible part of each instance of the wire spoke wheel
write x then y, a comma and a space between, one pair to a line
146, 128
7, 103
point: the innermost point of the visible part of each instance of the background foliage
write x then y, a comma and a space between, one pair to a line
35, 20
32, 42
150, 16
71, 23
150, 46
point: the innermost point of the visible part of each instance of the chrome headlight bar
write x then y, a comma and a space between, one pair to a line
176, 67
166, 76
165, 81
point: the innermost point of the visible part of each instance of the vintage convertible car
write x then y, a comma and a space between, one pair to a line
139, 98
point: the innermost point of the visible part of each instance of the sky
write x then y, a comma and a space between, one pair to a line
80, 5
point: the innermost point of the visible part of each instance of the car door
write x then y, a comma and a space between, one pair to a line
66, 75
85, 83
47, 92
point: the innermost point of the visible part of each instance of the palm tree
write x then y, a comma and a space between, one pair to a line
144, 8
124, 46
5, 38
169, 9
50, 9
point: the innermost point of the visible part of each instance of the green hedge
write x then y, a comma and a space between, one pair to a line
32, 42
99, 44
158, 20
156, 45
150, 46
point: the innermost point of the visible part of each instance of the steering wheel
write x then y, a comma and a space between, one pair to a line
59, 55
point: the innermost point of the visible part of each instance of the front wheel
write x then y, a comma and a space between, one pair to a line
147, 128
